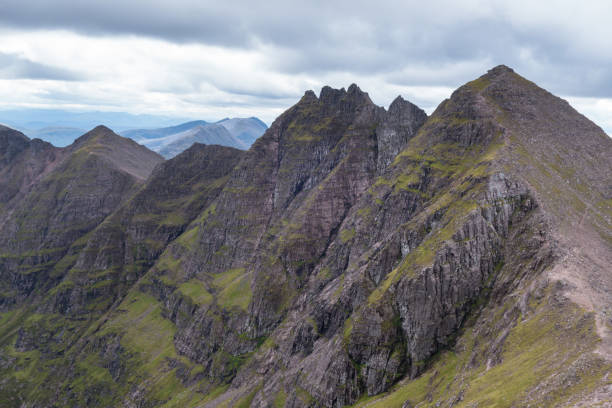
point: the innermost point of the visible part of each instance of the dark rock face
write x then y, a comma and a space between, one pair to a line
350, 248
404, 120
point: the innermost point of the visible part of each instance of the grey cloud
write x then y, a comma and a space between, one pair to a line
13, 66
176, 21
442, 43
270, 94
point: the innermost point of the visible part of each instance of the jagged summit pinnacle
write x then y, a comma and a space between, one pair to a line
354, 96
354, 89
351, 97
500, 69
398, 99
505, 75
309, 96
401, 104
331, 95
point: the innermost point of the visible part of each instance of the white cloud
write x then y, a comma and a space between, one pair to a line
599, 110
143, 75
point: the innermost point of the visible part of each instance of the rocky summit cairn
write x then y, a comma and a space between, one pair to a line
353, 256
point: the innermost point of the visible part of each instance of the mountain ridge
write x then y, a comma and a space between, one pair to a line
352, 256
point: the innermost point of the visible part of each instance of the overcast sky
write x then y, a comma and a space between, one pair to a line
212, 59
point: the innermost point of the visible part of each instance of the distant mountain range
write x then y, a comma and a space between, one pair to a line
159, 133
40, 118
170, 141
59, 136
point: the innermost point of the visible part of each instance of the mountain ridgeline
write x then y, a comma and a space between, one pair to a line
353, 256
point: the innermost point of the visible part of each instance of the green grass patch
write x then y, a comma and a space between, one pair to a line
347, 234
196, 291
147, 332
280, 399
234, 289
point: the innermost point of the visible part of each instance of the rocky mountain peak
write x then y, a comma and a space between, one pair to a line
122, 153
342, 99
398, 101
402, 107
39, 145
353, 89
99, 131
22, 162
331, 95
309, 96
352, 98
500, 70
401, 122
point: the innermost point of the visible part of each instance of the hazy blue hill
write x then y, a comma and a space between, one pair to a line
170, 141
246, 129
57, 135
161, 132
211, 134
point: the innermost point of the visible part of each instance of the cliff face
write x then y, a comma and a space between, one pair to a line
104, 264
354, 255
